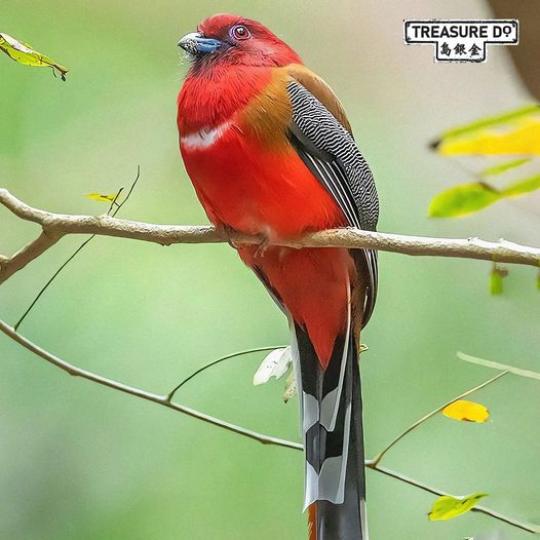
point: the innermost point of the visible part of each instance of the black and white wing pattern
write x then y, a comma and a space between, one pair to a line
331, 154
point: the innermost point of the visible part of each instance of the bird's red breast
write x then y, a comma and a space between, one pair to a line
233, 123
244, 169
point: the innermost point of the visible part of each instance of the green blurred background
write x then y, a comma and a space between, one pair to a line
79, 461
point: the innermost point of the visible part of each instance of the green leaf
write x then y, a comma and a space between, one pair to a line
504, 167
496, 278
495, 284
466, 199
24, 54
462, 200
448, 507
522, 187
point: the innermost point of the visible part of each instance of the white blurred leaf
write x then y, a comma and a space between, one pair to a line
291, 389
274, 365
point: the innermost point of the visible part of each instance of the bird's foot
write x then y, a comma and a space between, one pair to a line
228, 233
262, 246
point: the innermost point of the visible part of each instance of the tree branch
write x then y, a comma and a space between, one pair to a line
528, 527
137, 392
11, 265
501, 367
55, 226
114, 208
165, 401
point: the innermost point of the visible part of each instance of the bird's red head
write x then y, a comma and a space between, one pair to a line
231, 39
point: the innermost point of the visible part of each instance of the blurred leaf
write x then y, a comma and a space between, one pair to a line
513, 133
466, 411
520, 139
522, 187
274, 365
495, 284
462, 200
24, 54
448, 507
107, 198
538, 280
496, 278
468, 139
291, 389
490, 121
466, 199
504, 167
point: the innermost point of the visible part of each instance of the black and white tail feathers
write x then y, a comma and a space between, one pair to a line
331, 408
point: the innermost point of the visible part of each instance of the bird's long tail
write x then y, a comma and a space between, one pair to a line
331, 408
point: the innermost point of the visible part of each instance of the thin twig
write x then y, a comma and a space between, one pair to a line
171, 394
434, 491
114, 208
377, 459
130, 191
59, 225
501, 367
50, 280
260, 437
114, 204
155, 398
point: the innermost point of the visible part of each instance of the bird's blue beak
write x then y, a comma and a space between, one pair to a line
196, 44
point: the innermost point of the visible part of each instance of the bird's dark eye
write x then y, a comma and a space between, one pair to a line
239, 31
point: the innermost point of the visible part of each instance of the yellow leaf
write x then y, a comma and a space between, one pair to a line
108, 198
24, 54
511, 132
490, 121
467, 411
448, 507
462, 200
522, 137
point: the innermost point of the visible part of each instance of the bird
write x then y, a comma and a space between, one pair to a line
270, 153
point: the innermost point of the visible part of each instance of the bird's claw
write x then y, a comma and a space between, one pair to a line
262, 246
227, 233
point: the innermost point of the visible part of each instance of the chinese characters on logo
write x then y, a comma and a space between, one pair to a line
462, 41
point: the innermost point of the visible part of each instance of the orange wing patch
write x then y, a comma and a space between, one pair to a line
268, 115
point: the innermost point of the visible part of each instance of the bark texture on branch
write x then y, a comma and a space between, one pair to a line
55, 226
